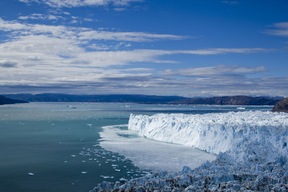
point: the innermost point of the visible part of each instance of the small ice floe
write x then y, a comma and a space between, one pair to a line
117, 170
65, 161
31, 174
71, 107
83, 172
241, 108
122, 179
106, 177
73, 155
90, 125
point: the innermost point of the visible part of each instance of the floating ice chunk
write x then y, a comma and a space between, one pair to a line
31, 174
83, 172
73, 155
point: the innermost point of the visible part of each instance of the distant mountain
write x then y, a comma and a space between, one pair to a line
96, 98
5, 100
281, 106
150, 99
232, 100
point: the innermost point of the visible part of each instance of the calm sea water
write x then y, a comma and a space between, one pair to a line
55, 146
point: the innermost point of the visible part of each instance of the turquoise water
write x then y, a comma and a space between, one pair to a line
55, 146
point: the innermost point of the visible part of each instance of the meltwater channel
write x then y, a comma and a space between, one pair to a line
57, 146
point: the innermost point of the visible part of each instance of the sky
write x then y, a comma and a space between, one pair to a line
155, 47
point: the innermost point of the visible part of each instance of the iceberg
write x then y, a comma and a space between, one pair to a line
232, 132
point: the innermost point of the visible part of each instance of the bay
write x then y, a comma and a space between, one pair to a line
55, 146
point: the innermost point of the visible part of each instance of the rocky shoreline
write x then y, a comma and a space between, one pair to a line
281, 106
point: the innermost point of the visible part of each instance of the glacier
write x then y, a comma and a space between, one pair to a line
251, 149
236, 133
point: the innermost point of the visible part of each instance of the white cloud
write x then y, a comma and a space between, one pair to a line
37, 16
81, 34
86, 34
11, 25
278, 29
220, 70
81, 3
49, 58
217, 51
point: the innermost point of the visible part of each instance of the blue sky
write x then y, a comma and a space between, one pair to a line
161, 47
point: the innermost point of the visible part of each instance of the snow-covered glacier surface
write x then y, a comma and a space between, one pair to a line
229, 132
251, 148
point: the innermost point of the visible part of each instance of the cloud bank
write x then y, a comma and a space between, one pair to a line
39, 58
81, 3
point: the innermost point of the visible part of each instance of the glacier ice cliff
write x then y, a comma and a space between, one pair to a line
232, 132
251, 148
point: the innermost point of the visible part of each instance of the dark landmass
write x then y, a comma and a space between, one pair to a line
5, 100
281, 106
232, 100
148, 99
96, 98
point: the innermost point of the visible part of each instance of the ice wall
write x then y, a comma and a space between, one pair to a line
245, 135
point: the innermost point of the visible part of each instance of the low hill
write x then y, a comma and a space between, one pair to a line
150, 99
5, 100
96, 98
232, 100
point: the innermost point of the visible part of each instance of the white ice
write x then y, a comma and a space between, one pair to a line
233, 132
148, 154
31, 174
251, 148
